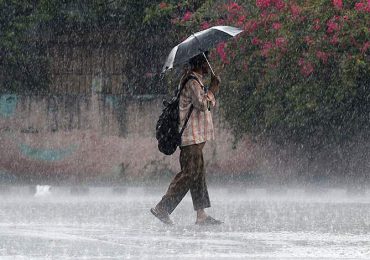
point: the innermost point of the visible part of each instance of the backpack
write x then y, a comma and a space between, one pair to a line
167, 128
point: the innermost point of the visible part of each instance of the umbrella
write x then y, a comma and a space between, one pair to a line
198, 43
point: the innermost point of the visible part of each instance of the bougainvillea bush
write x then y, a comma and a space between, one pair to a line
299, 72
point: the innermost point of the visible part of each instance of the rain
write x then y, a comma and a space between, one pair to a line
276, 91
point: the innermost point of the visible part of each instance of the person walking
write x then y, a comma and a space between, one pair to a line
198, 131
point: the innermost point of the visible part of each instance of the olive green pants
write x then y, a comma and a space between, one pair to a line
191, 177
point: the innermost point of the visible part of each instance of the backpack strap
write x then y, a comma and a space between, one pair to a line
187, 119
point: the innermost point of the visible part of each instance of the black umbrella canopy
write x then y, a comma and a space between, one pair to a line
199, 42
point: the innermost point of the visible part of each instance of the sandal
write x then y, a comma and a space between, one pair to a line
162, 216
209, 221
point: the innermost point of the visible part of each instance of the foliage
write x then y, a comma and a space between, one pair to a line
300, 71
28, 26
22, 60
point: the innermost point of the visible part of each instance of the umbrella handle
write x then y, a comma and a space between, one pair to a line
209, 64
204, 55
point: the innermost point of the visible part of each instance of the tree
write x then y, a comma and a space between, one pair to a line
27, 27
22, 57
299, 73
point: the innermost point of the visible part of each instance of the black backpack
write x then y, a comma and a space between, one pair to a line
167, 128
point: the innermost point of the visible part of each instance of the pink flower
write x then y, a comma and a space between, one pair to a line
205, 25
365, 47
233, 7
306, 67
316, 25
251, 26
263, 4
267, 16
276, 26
338, 4
280, 42
334, 40
332, 26
295, 10
308, 40
279, 4
323, 56
360, 6
241, 20
220, 22
267, 46
187, 16
256, 41
336, 18
221, 51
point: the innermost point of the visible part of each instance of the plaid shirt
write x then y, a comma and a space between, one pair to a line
199, 128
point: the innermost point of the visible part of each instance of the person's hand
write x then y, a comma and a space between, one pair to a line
215, 84
215, 80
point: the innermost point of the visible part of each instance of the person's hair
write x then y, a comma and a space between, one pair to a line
197, 61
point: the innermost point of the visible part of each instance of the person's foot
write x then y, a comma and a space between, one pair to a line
161, 215
208, 221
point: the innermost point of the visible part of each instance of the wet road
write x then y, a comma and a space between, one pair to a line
104, 225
